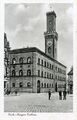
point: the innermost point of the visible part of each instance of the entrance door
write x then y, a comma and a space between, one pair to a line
55, 87
38, 86
71, 89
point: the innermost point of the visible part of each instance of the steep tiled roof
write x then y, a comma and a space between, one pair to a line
71, 72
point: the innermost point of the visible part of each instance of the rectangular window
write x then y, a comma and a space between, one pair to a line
42, 62
20, 84
45, 63
52, 67
4, 84
45, 75
50, 75
39, 61
6, 71
13, 84
39, 73
42, 74
56, 68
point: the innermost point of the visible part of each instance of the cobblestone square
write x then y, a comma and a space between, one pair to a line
33, 102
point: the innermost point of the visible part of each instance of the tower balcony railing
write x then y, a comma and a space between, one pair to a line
53, 33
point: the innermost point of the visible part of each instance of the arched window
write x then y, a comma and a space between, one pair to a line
13, 61
45, 85
28, 84
13, 73
29, 60
20, 73
20, 84
29, 72
21, 60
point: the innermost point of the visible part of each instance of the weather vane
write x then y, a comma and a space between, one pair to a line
50, 7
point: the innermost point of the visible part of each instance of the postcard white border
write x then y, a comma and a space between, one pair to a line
39, 116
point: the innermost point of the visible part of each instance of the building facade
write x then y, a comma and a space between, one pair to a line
32, 70
70, 81
6, 61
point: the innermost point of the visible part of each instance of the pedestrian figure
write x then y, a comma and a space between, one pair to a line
7, 92
49, 94
60, 95
64, 95
15, 92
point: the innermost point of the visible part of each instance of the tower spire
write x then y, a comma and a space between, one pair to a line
51, 8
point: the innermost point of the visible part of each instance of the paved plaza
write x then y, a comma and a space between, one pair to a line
33, 102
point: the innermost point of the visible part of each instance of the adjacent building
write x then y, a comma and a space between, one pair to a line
32, 70
6, 61
70, 81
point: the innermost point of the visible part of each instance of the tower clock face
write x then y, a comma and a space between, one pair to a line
49, 43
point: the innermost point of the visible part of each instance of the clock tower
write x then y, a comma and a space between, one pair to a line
51, 35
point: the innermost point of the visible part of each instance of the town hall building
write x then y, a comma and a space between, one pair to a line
32, 70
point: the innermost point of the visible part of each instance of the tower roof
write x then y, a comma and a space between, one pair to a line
51, 13
70, 72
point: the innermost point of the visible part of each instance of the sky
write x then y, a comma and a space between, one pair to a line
25, 25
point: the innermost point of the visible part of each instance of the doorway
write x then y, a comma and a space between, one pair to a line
55, 87
38, 86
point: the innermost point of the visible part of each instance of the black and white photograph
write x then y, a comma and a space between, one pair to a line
38, 57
